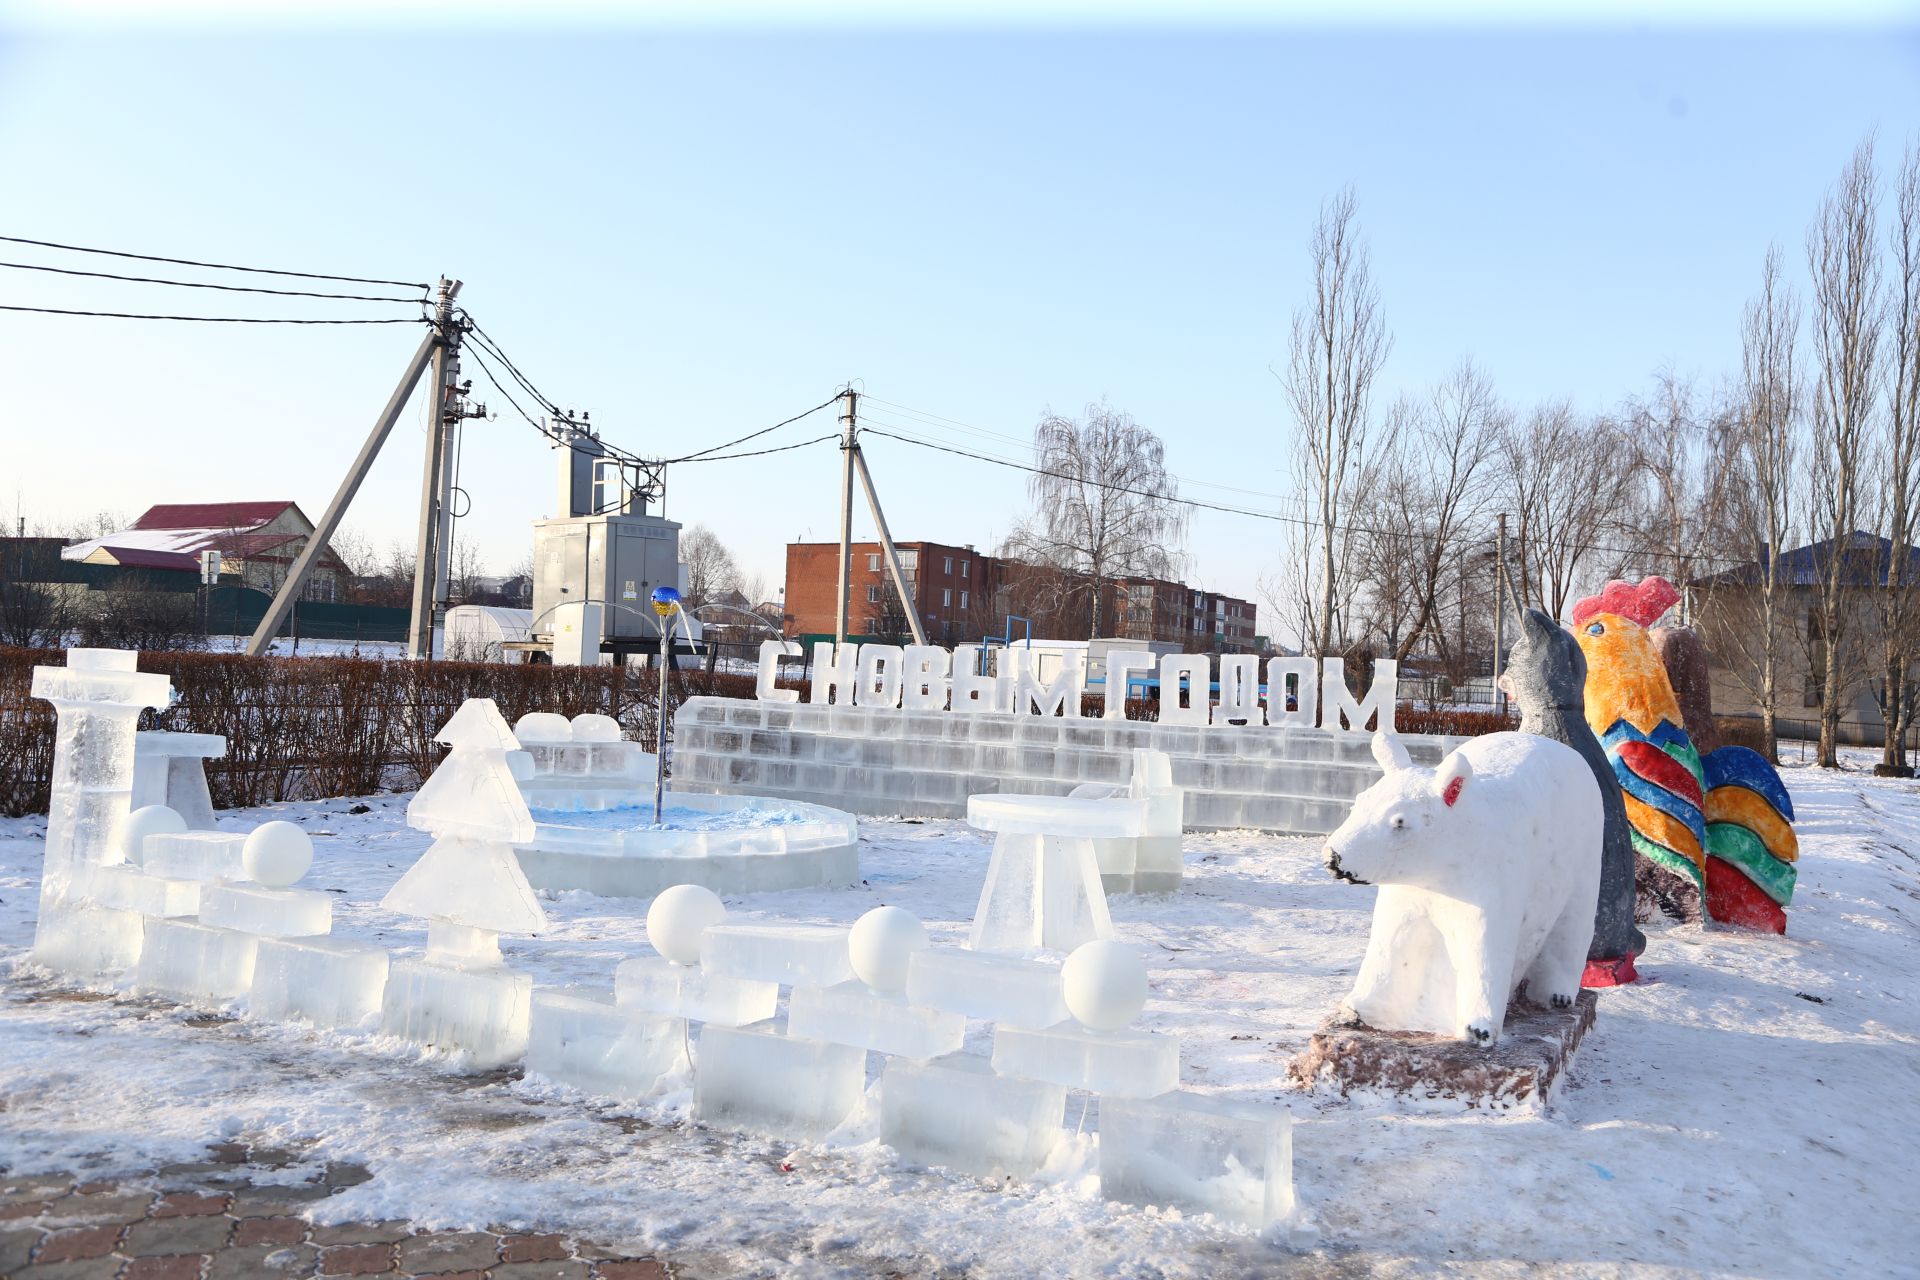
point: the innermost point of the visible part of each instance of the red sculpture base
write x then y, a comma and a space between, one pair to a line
1733, 899
1610, 973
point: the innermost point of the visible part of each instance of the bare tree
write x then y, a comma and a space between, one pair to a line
35, 612
465, 571
1843, 257
711, 570
1569, 483
1338, 344
1105, 507
1900, 488
1751, 610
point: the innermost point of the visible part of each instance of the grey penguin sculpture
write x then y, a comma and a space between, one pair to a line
1547, 676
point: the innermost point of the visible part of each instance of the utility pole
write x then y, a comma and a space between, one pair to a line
429, 590
1499, 610
849, 401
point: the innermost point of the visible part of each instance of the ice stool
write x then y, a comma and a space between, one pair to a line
1148, 863
170, 769
1043, 885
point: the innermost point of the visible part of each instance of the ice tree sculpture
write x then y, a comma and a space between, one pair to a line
468, 884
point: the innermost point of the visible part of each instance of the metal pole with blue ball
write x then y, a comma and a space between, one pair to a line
666, 603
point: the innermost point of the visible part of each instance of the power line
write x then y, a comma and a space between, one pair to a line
702, 455
758, 453
142, 315
200, 284
215, 266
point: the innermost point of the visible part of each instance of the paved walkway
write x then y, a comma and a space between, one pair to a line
218, 1220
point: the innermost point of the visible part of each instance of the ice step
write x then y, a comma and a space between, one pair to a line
958, 1112
851, 1013
758, 1079
1231, 1159
85, 940
482, 1013
653, 984
194, 962
127, 888
268, 913
330, 982
599, 1048
793, 955
195, 855
1126, 1064
1009, 990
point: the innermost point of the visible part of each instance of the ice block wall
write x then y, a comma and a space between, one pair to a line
924, 764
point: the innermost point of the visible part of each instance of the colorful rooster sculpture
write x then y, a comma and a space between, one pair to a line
1714, 831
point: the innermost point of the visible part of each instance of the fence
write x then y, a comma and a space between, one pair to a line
306, 728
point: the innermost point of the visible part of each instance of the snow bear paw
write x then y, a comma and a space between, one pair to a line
1560, 1000
1345, 1016
1477, 1034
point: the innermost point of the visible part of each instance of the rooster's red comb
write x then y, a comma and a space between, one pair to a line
1642, 604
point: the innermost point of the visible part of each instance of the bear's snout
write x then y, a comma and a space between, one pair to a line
1333, 865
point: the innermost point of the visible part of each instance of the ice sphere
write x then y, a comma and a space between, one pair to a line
542, 727
129, 889
649, 984
793, 955
851, 1013
1126, 1064
130, 834
1040, 891
192, 961
591, 726
599, 1048
195, 855
755, 1078
277, 854
271, 913
956, 1111
1232, 1159
481, 1012
81, 938
330, 982
1006, 989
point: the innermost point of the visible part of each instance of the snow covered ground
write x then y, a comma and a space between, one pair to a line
1752, 1110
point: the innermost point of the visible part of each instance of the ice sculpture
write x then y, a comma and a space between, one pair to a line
98, 697
131, 832
1714, 828
1043, 885
672, 983
600, 1048
871, 1012
1488, 869
583, 763
170, 769
1105, 986
1150, 862
1009, 990
1208, 1155
1547, 675
755, 1078
809, 955
958, 1112
470, 889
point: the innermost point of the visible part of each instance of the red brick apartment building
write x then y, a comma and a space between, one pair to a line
952, 587
962, 595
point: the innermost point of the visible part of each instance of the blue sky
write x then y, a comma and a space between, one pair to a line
694, 232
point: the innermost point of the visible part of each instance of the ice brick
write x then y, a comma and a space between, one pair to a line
195, 855
755, 1078
652, 984
793, 955
461, 946
269, 913
600, 1048
1040, 891
1158, 864
480, 1012
956, 1111
1125, 1064
851, 1013
192, 961
130, 889
327, 981
1232, 1159
83, 939
1005, 989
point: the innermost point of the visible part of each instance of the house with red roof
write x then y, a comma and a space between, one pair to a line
257, 542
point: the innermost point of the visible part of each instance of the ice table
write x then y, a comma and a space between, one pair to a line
956, 1111
1232, 1159
170, 769
1043, 885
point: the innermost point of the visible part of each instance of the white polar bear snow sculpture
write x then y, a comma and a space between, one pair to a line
1488, 868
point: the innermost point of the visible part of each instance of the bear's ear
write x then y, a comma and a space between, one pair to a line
1452, 777
1389, 752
